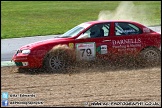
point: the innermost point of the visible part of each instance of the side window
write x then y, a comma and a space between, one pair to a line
126, 29
98, 30
106, 28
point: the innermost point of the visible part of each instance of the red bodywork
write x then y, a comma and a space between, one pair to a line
113, 44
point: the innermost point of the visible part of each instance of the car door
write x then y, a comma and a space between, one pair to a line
97, 44
127, 39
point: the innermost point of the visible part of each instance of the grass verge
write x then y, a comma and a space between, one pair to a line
35, 18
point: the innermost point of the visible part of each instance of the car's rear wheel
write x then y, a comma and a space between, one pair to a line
150, 57
58, 59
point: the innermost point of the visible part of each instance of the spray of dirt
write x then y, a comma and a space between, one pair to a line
126, 11
67, 51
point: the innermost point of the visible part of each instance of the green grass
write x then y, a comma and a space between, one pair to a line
34, 18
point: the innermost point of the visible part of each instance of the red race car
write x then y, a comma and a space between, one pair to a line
90, 41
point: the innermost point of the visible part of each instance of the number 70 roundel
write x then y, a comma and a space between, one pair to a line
86, 51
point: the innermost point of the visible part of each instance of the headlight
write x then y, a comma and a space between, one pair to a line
25, 51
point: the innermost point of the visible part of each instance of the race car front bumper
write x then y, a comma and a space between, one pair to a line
27, 61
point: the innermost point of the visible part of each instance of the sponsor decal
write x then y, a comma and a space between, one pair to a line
126, 44
102, 49
83, 45
71, 45
126, 31
126, 41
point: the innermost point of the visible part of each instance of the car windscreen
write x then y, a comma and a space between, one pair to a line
72, 32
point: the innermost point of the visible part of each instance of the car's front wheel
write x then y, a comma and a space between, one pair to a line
55, 63
58, 59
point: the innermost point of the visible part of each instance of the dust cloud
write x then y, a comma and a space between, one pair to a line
126, 11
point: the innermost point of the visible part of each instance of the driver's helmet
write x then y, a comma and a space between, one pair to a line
95, 31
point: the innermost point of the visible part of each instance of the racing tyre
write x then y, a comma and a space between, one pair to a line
58, 59
150, 57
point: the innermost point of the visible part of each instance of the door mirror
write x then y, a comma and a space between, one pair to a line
83, 36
